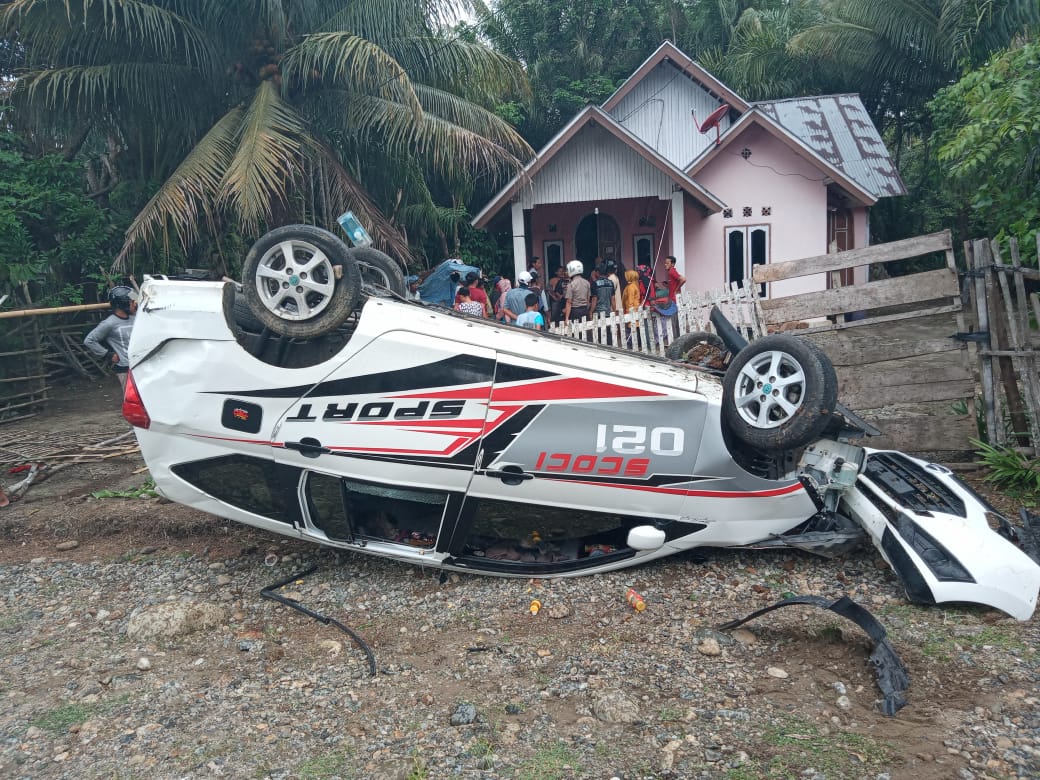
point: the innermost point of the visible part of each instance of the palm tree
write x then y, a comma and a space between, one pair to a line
901, 52
263, 112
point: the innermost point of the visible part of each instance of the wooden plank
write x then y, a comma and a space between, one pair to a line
837, 261
978, 255
828, 327
849, 352
925, 433
55, 310
927, 286
866, 397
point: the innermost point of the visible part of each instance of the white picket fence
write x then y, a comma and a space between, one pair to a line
639, 331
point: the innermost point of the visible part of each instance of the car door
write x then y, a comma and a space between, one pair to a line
572, 460
389, 441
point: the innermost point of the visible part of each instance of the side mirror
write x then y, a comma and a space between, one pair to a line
645, 537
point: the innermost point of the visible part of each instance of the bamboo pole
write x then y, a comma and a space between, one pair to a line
7, 315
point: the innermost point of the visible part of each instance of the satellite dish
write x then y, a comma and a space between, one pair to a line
712, 121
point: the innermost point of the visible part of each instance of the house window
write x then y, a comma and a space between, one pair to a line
746, 211
643, 249
552, 256
746, 247
727, 213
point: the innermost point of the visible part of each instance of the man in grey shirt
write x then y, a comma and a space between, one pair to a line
112, 336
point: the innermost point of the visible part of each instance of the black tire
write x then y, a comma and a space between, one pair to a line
243, 315
317, 302
681, 347
779, 393
379, 272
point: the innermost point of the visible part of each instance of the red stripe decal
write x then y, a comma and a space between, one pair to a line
565, 390
772, 493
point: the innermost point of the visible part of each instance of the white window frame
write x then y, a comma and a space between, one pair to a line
747, 231
651, 238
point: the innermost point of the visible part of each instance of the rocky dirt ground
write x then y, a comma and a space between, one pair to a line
134, 642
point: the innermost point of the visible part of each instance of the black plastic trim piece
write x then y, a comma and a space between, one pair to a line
916, 588
893, 678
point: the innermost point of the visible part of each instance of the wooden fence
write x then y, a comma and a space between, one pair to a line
896, 343
893, 341
1006, 324
639, 331
36, 352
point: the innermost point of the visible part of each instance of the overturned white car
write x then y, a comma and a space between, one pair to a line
335, 411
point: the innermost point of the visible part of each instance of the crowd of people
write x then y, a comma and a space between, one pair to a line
568, 296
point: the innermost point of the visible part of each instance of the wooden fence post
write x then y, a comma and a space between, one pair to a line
976, 256
1005, 342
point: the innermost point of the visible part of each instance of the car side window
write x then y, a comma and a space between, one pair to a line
525, 533
257, 485
346, 509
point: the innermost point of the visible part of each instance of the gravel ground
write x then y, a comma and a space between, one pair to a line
134, 642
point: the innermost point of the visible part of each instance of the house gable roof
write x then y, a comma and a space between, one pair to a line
594, 115
668, 52
838, 128
757, 117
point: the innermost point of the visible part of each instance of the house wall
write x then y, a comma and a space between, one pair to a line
626, 212
774, 179
595, 166
657, 110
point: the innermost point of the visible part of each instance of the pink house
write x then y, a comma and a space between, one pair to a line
675, 163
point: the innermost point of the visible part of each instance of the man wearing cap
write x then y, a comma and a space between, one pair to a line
515, 302
112, 336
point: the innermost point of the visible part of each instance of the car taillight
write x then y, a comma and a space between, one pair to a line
133, 407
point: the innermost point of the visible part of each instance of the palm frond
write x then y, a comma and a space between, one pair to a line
342, 192
130, 27
444, 146
267, 159
468, 69
190, 190
151, 88
458, 111
346, 60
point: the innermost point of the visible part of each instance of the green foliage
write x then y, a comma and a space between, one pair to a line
314, 107
988, 130
147, 490
58, 721
551, 762
576, 51
52, 236
1010, 469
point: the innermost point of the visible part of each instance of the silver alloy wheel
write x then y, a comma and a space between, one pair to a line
770, 389
295, 280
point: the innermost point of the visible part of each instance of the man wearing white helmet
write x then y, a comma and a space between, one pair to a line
515, 302
578, 292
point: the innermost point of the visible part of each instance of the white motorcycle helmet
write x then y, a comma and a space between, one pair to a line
575, 268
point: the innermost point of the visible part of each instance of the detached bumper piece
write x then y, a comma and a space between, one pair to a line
893, 678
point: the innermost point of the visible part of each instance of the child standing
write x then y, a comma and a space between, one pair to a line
532, 318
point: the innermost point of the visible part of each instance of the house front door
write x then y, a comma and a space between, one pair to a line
598, 235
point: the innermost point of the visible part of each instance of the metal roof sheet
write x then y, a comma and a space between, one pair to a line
838, 128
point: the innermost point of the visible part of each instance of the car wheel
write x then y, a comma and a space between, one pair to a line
779, 393
698, 347
379, 272
289, 281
